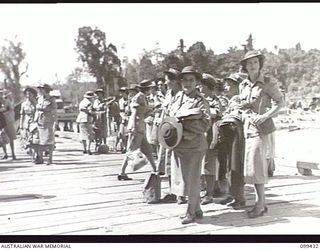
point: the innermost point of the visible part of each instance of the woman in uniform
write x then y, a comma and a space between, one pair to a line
85, 120
255, 98
100, 121
10, 128
27, 114
210, 163
46, 111
192, 110
137, 127
122, 135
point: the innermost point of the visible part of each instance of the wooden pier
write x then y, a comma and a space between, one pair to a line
80, 195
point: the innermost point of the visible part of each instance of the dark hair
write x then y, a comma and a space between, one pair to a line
208, 83
171, 77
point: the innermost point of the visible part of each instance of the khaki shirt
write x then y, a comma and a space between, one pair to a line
46, 110
27, 113
99, 105
193, 138
224, 103
215, 105
140, 103
256, 96
85, 107
124, 108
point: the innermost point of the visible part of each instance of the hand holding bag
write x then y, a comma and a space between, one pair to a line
136, 159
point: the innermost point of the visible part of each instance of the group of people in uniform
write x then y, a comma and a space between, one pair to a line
36, 123
205, 139
210, 136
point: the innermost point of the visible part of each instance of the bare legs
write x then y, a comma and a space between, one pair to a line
85, 149
12, 151
260, 195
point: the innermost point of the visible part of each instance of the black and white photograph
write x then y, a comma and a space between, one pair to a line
159, 119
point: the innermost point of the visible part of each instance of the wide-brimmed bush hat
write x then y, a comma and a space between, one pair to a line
146, 83
251, 54
235, 77
170, 132
173, 72
44, 86
190, 70
209, 80
99, 91
123, 89
133, 86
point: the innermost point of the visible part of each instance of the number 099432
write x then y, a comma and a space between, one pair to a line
309, 246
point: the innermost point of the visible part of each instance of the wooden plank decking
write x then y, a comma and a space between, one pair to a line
80, 195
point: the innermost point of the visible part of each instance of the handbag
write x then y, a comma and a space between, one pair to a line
152, 189
136, 159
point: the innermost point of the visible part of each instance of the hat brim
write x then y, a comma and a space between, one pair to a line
243, 61
173, 121
88, 96
146, 87
45, 87
232, 79
196, 74
160, 79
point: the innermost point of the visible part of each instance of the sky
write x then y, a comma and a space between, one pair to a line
48, 31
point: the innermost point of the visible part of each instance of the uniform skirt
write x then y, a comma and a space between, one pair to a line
210, 163
86, 131
46, 134
10, 130
255, 161
185, 172
139, 140
255, 156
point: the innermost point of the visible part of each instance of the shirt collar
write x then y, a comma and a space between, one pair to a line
260, 79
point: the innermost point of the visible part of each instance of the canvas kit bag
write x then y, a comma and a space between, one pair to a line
152, 189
